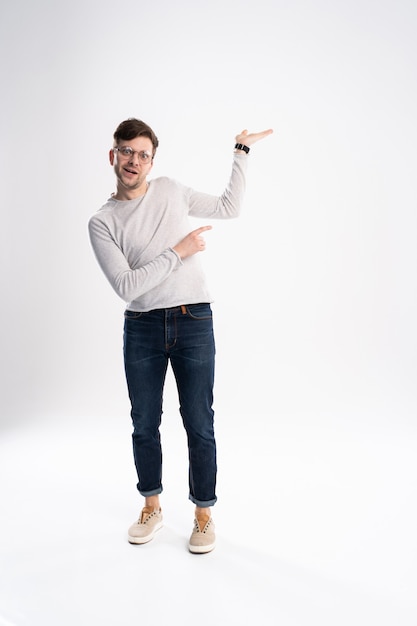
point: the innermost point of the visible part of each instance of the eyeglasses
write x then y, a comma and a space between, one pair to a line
127, 153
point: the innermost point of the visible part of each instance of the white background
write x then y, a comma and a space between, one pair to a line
315, 309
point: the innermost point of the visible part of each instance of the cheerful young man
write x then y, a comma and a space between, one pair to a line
144, 244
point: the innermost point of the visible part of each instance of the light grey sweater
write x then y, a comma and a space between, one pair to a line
133, 240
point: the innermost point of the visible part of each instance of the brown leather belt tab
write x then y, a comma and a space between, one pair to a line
183, 309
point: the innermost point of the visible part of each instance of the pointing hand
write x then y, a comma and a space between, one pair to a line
192, 243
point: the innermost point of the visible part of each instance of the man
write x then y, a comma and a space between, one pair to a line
144, 245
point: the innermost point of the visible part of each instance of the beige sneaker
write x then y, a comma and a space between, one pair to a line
202, 538
144, 529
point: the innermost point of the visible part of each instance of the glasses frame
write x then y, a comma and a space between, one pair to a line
144, 156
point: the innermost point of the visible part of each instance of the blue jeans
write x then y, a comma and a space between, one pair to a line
183, 336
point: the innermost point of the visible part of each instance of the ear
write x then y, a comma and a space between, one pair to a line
111, 156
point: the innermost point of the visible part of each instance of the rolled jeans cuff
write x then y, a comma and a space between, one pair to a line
203, 504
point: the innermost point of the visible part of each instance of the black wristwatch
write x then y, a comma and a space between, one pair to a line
240, 146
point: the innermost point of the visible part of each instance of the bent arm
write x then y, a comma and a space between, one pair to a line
129, 283
229, 204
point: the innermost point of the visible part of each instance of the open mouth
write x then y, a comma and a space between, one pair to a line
129, 171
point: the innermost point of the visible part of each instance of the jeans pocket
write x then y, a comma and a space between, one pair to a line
132, 315
200, 311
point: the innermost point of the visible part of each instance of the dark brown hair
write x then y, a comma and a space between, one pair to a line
132, 128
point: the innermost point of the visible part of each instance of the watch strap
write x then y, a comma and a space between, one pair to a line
240, 146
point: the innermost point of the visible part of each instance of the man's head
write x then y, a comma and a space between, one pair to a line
132, 156
132, 128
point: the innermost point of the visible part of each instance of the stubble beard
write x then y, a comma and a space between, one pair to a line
129, 184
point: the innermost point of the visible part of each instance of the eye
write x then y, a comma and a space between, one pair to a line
126, 151
145, 156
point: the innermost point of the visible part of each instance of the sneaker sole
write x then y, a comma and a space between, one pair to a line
201, 549
141, 540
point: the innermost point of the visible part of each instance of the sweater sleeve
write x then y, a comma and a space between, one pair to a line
229, 204
128, 283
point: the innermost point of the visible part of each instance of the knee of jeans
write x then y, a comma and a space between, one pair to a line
144, 430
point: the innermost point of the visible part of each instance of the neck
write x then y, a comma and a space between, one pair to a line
130, 194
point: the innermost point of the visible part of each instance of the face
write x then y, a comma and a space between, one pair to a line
130, 171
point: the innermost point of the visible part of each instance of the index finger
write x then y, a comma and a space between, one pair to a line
197, 231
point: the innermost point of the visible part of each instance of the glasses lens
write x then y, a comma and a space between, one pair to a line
145, 157
126, 151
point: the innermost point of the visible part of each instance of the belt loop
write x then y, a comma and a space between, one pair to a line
183, 309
